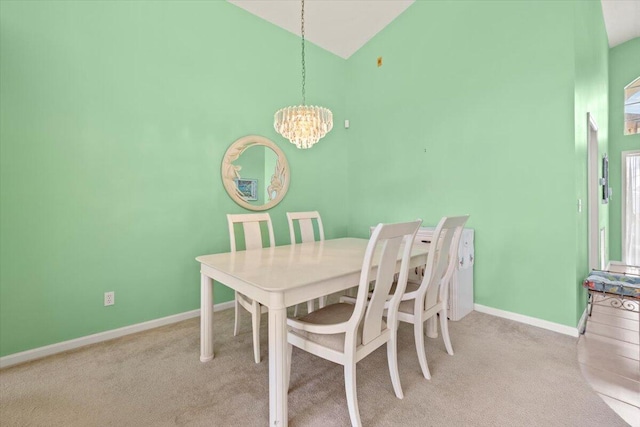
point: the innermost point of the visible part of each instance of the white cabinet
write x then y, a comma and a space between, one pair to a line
461, 289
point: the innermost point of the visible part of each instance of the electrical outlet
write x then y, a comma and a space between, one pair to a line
109, 298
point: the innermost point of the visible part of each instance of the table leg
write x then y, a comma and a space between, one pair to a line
206, 318
432, 327
278, 411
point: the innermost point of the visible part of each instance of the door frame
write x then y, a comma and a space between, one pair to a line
593, 211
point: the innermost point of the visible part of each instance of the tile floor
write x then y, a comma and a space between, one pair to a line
609, 356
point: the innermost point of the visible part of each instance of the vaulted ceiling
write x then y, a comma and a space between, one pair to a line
344, 26
622, 18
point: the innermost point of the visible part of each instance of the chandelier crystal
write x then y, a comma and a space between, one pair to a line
303, 125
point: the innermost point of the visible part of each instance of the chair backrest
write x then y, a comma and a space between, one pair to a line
386, 243
305, 222
251, 227
441, 261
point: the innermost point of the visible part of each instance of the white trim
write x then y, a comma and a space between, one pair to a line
602, 248
593, 209
623, 200
592, 122
37, 353
615, 263
544, 324
582, 324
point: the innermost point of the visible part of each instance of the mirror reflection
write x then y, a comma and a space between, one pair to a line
255, 169
255, 173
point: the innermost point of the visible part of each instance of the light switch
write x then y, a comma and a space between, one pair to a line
579, 205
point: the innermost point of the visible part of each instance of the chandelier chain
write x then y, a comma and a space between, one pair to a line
304, 73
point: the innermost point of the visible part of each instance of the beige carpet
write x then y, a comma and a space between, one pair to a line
502, 374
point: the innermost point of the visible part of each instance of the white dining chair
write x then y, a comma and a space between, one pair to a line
252, 240
424, 299
346, 333
305, 221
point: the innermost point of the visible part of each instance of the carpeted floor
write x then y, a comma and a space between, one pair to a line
503, 373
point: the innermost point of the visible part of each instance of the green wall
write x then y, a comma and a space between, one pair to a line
115, 116
624, 67
473, 112
114, 119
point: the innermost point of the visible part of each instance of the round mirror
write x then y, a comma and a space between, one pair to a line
255, 173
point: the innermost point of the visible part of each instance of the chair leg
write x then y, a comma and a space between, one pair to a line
322, 301
352, 395
418, 333
392, 359
237, 320
255, 319
295, 311
310, 306
444, 325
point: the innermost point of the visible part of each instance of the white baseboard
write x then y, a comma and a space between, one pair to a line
37, 353
582, 324
544, 324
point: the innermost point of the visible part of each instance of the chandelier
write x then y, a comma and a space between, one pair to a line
303, 125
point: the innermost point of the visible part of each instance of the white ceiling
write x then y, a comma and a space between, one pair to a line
339, 26
622, 19
344, 26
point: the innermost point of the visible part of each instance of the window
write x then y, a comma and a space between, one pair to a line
631, 207
632, 108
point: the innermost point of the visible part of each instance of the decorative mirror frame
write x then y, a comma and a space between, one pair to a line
230, 172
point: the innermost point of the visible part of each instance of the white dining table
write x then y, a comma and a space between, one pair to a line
280, 277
